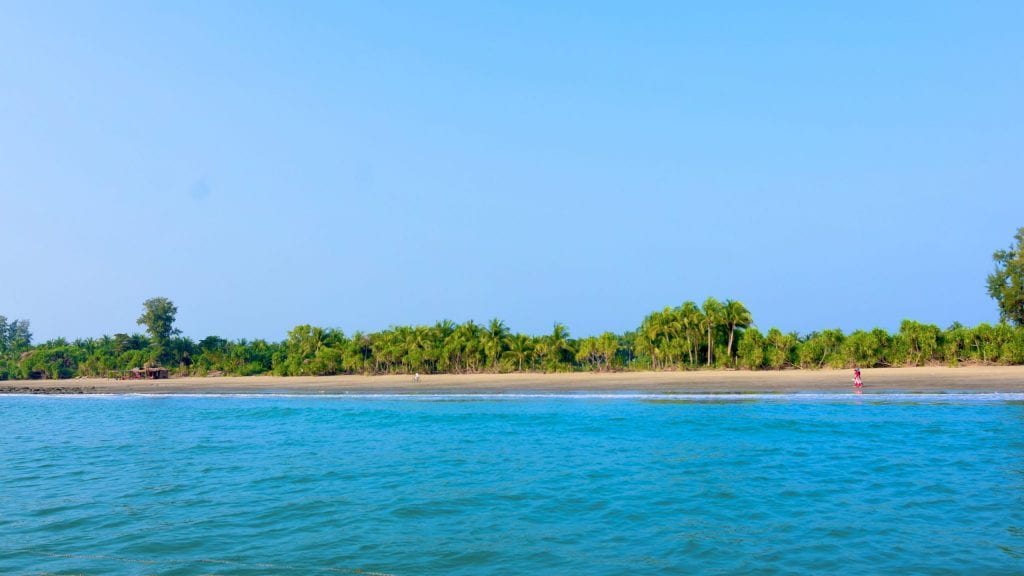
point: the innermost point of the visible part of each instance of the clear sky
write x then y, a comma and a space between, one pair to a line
357, 165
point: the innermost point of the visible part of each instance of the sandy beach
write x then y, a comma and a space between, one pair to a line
972, 379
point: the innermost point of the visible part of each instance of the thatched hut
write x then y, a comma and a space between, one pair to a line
147, 373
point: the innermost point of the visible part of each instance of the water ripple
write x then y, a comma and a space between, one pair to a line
605, 484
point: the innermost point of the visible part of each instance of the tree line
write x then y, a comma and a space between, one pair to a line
714, 334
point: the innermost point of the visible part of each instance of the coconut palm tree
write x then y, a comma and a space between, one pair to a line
495, 341
735, 315
444, 328
713, 313
669, 328
358, 353
385, 350
647, 337
463, 348
692, 321
520, 347
558, 345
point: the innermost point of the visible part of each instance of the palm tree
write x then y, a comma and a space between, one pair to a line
588, 353
463, 349
520, 346
495, 341
360, 350
712, 317
429, 345
542, 351
558, 344
669, 327
735, 315
474, 348
692, 320
444, 328
647, 337
608, 346
781, 348
416, 348
385, 350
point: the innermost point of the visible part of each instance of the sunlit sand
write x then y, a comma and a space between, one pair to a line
973, 378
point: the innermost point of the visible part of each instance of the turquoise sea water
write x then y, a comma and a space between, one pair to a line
632, 484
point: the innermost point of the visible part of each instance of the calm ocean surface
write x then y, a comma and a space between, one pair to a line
789, 484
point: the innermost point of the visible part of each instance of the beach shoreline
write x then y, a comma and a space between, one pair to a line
917, 379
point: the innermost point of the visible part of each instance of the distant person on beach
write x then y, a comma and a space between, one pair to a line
416, 378
857, 382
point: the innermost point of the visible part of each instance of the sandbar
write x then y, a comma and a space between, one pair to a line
917, 379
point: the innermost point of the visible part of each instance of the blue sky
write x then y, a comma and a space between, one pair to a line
358, 165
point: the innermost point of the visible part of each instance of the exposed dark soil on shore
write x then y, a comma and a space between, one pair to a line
48, 390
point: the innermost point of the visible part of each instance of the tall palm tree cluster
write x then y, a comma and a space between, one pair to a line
445, 347
687, 336
692, 335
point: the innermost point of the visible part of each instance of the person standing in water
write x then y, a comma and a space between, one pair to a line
857, 382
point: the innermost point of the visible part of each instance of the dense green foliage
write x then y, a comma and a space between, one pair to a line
14, 335
158, 318
714, 334
1006, 284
